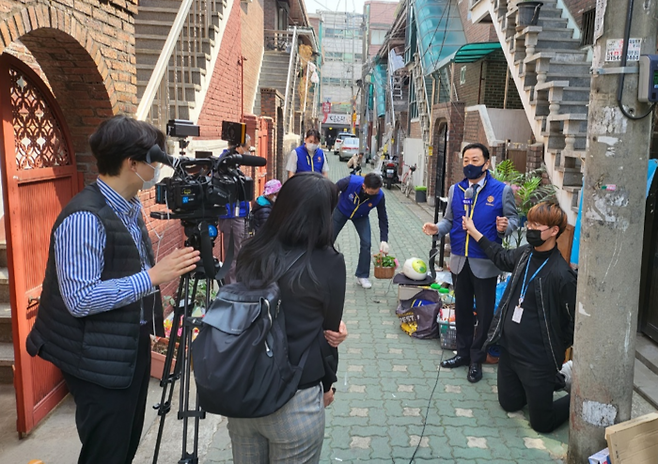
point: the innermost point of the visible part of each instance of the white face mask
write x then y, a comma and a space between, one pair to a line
147, 184
311, 147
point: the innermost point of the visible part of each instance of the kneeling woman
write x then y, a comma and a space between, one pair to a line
312, 297
534, 322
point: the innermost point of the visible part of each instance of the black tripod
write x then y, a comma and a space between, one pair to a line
199, 237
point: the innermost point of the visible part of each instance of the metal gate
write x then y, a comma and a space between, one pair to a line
39, 177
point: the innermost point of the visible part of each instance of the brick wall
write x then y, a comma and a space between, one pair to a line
481, 32
495, 71
535, 158
470, 88
222, 102
271, 106
85, 50
87, 54
269, 14
251, 25
414, 129
578, 7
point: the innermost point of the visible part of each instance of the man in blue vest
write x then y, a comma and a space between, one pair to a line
235, 220
100, 300
491, 205
358, 196
308, 157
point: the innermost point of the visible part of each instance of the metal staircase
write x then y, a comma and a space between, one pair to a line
552, 75
176, 44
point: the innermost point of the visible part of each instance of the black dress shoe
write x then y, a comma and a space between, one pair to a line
474, 372
455, 361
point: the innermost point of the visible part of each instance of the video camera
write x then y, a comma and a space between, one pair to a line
201, 187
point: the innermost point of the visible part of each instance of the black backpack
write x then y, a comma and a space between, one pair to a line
240, 355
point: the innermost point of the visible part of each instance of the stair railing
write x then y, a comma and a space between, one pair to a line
292, 70
182, 49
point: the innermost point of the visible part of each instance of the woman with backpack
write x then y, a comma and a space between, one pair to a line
535, 319
312, 291
263, 205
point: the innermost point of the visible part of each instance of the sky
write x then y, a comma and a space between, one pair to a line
334, 5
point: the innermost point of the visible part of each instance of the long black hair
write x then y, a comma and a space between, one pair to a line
300, 220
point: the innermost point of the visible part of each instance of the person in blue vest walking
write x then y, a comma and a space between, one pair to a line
308, 157
491, 205
358, 196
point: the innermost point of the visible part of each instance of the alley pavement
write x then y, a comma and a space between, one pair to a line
392, 403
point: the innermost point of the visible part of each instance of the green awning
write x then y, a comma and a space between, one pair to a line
475, 51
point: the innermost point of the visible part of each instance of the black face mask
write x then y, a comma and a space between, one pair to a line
534, 238
473, 172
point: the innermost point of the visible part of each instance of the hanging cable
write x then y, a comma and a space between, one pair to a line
624, 53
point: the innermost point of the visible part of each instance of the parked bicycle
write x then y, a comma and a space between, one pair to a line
407, 182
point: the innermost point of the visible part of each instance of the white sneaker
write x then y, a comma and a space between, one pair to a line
566, 372
364, 282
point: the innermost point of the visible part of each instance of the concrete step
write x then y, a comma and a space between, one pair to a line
645, 383
4, 284
5, 323
556, 32
566, 107
571, 177
169, 4
6, 363
646, 351
149, 13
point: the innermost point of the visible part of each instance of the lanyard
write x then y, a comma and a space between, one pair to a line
524, 286
358, 203
309, 158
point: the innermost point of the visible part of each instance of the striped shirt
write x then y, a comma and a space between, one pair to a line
80, 258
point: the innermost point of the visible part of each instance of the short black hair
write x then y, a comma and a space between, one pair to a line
122, 137
479, 146
312, 132
372, 180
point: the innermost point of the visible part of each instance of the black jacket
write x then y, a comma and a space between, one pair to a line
556, 297
260, 213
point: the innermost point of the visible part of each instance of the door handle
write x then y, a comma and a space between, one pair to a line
33, 299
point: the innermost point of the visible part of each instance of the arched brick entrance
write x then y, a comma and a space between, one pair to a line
87, 57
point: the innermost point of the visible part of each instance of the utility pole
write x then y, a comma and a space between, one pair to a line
611, 237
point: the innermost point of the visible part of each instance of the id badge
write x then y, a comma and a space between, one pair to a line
518, 314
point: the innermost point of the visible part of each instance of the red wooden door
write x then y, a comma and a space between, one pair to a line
260, 176
39, 177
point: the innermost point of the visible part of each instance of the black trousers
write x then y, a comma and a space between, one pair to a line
521, 383
467, 286
110, 421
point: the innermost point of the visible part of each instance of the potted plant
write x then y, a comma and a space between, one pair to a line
158, 353
384, 265
528, 189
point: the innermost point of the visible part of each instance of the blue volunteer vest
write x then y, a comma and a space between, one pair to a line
304, 162
487, 204
349, 204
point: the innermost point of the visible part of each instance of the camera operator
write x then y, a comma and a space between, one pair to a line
235, 220
100, 298
308, 157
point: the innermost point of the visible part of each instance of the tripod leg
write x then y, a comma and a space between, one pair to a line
168, 380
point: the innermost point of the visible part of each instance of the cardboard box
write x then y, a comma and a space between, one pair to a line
407, 292
602, 457
634, 441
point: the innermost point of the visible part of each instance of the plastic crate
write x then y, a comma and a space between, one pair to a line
448, 333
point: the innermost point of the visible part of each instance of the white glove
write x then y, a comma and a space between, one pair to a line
383, 247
